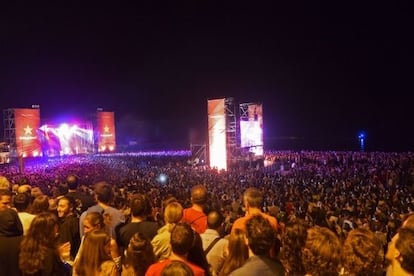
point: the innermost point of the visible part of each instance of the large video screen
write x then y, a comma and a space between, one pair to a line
66, 139
251, 130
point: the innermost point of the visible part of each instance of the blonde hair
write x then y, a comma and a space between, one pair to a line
173, 212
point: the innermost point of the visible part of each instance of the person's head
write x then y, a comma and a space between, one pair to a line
253, 198
177, 268
401, 250
199, 195
44, 229
103, 192
173, 212
139, 254
25, 188
93, 221
260, 235
96, 249
408, 221
215, 220
65, 206
36, 191
21, 201
72, 181
293, 239
4, 183
362, 253
237, 251
40, 204
182, 238
10, 225
321, 255
140, 206
5, 199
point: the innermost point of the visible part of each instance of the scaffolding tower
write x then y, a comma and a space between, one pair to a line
232, 143
10, 130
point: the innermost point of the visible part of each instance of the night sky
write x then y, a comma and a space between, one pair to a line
323, 71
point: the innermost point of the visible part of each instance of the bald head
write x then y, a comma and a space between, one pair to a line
214, 219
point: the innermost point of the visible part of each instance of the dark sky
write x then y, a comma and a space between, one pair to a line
323, 71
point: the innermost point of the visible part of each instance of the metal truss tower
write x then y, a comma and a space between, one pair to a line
231, 129
10, 130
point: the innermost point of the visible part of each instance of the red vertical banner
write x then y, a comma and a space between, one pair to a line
27, 123
217, 133
106, 131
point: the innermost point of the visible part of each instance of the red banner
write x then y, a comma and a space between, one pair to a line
106, 131
27, 123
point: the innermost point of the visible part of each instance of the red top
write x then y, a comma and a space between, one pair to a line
197, 219
155, 269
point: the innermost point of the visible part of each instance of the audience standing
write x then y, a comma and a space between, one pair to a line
182, 239
104, 196
214, 245
260, 239
38, 252
195, 215
95, 256
11, 235
138, 256
173, 213
237, 252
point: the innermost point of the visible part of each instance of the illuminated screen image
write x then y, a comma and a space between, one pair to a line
65, 139
251, 136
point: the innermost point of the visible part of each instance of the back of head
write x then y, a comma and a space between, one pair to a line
321, 254
4, 183
199, 195
409, 221
10, 225
362, 253
40, 204
25, 188
140, 205
94, 244
103, 191
95, 219
173, 212
293, 239
21, 201
177, 268
93, 253
182, 238
254, 197
260, 235
72, 181
43, 229
215, 219
405, 245
238, 252
140, 253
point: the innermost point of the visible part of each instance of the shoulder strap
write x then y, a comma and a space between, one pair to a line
211, 245
194, 220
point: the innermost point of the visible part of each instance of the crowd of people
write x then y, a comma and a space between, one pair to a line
303, 213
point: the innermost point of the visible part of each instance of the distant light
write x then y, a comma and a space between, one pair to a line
162, 178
